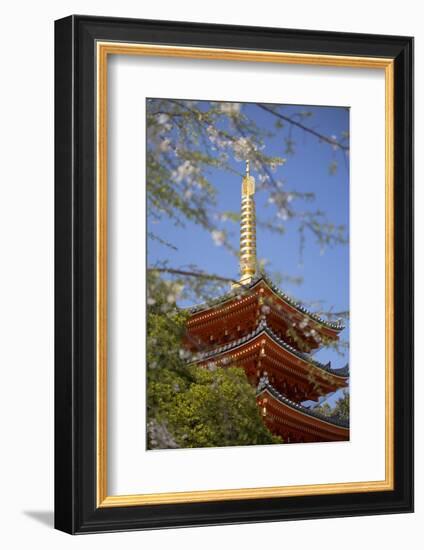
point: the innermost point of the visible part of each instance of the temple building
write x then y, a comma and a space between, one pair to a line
259, 328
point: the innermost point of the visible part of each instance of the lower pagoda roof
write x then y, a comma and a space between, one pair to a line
265, 386
264, 329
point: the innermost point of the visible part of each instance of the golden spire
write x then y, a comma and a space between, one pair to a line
247, 229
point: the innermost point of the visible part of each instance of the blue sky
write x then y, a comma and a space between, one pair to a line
325, 273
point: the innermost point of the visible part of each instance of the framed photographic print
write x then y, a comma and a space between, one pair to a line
234, 274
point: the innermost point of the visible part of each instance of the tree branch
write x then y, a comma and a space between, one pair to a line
322, 137
191, 274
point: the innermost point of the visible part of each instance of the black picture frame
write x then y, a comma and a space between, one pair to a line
76, 509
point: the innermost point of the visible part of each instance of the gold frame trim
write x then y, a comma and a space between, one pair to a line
104, 49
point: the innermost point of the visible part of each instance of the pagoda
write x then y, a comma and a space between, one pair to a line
261, 329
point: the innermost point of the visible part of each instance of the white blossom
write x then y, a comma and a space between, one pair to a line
242, 147
162, 118
282, 214
163, 124
230, 108
218, 237
216, 139
185, 354
263, 178
186, 170
175, 290
164, 145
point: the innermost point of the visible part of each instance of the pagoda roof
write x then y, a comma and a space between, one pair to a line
260, 330
265, 386
336, 326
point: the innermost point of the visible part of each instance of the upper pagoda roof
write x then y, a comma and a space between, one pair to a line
265, 386
261, 329
263, 280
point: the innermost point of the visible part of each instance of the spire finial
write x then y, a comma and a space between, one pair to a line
248, 263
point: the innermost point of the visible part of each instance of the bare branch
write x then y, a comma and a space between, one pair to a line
289, 120
191, 274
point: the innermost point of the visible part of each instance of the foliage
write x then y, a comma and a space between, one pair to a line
340, 409
324, 409
215, 409
342, 406
189, 406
